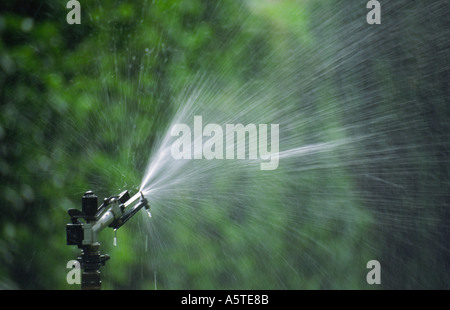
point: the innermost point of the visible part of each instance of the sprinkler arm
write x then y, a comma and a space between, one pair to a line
114, 212
130, 212
117, 214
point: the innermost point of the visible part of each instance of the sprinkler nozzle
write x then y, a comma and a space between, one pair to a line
130, 212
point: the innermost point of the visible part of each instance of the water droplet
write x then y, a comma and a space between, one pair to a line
148, 213
146, 243
115, 237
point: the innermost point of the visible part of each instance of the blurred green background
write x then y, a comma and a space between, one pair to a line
81, 106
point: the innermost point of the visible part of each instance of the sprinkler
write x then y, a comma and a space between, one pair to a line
114, 212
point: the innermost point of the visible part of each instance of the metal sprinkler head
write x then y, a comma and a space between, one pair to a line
114, 212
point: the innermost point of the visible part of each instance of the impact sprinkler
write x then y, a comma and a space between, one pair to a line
114, 212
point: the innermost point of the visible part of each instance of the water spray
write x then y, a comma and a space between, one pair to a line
114, 212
